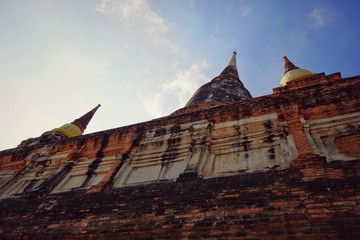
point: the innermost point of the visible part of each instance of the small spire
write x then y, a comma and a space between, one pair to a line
231, 67
292, 72
83, 121
232, 61
288, 65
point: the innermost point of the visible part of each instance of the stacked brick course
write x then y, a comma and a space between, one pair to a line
310, 200
346, 145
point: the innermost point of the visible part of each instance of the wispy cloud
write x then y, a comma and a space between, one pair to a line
317, 18
183, 84
153, 104
245, 10
140, 15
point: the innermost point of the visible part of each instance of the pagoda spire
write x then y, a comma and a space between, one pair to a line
231, 68
78, 126
223, 89
288, 65
232, 61
68, 130
292, 72
83, 121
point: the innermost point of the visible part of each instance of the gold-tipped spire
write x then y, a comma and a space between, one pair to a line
288, 65
78, 126
83, 121
292, 72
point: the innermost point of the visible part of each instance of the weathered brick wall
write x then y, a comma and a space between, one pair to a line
349, 145
311, 200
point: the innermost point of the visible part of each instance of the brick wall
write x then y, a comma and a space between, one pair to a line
349, 145
296, 203
312, 199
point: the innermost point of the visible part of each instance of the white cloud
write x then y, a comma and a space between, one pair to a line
185, 82
140, 21
317, 18
245, 10
153, 104
139, 15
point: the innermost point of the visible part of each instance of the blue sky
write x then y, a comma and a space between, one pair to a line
144, 59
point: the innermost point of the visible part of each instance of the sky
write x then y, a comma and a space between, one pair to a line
143, 59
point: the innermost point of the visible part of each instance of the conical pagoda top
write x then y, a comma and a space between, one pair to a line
223, 89
68, 130
232, 61
78, 126
83, 121
292, 72
288, 65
